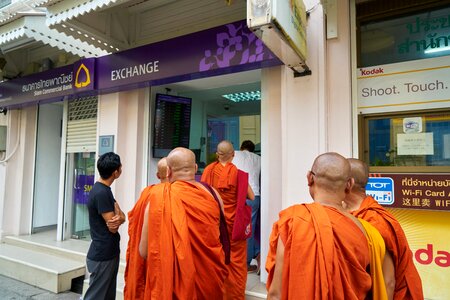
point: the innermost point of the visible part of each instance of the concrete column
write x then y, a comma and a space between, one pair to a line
122, 115
19, 172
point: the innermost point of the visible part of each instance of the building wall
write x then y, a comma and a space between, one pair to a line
303, 117
19, 173
122, 115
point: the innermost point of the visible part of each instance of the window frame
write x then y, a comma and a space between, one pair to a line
363, 129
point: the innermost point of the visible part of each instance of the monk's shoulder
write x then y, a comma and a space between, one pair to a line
298, 211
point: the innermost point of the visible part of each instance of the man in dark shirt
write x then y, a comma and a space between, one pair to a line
105, 217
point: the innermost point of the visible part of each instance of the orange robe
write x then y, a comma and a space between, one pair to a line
224, 179
408, 284
185, 256
135, 269
377, 250
326, 254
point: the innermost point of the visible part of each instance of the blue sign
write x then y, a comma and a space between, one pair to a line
381, 189
105, 144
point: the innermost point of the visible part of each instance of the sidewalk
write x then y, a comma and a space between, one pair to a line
17, 290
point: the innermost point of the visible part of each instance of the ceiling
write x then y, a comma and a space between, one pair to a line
63, 31
210, 90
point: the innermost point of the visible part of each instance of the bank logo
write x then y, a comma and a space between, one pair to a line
381, 189
83, 73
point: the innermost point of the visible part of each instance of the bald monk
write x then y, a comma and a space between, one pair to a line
181, 238
223, 175
135, 268
318, 250
403, 280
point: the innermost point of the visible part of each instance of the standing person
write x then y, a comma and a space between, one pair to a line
250, 162
406, 283
181, 236
223, 176
136, 267
318, 250
105, 217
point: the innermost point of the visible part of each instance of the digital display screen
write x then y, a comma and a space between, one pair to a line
172, 123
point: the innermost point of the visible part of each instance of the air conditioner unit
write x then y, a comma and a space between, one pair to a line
281, 25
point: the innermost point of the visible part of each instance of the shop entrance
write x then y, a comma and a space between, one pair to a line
80, 165
226, 107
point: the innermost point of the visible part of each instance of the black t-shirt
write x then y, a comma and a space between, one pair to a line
105, 245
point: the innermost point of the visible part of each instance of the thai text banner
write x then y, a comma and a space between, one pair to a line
413, 191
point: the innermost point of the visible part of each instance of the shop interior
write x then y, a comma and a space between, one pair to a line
226, 107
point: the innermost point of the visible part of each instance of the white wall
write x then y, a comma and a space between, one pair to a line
4, 122
17, 207
304, 117
124, 116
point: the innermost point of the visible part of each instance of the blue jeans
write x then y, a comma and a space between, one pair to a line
253, 245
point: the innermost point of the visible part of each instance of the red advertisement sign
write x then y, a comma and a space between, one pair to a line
420, 191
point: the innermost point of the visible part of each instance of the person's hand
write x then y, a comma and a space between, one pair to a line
114, 222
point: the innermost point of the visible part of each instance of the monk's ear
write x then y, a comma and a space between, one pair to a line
349, 185
196, 168
310, 178
169, 172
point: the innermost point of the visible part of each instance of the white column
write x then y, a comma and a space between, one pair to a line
19, 175
123, 115
271, 156
303, 117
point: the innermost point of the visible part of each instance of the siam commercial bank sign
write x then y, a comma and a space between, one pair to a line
53, 84
225, 49
220, 50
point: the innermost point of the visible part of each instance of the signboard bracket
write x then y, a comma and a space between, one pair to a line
306, 72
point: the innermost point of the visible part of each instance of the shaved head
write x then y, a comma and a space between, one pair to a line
225, 151
331, 171
162, 170
359, 172
181, 164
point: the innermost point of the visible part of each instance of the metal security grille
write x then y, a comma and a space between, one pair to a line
82, 125
83, 108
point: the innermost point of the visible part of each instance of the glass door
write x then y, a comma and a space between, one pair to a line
219, 129
80, 179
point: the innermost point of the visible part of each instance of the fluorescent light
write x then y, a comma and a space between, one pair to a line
440, 49
244, 96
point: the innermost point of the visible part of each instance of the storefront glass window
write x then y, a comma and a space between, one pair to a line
413, 37
409, 140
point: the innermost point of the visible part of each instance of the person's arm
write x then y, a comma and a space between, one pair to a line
143, 244
389, 274
116, 220
250, 194
276, 285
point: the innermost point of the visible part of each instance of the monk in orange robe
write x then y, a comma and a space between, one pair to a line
181, 238
223, 175
405, 282
136, 268
318, 250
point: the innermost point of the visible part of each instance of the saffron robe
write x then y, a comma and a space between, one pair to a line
185, 256
326, 254
377, 250
408, 284
225, 180
135, 268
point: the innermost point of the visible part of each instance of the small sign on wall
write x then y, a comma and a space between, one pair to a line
105, 144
